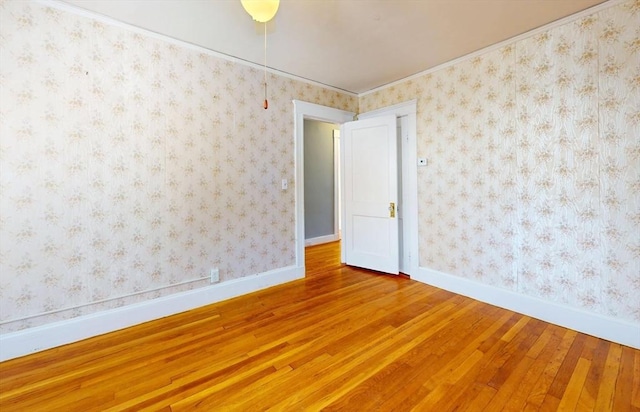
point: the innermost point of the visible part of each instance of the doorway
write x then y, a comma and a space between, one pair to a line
321, 182
406, 112
308, 111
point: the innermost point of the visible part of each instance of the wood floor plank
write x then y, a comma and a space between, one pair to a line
551, 338
445, 385
457, 399
567, 368
635, 396
587, 401
341, 339
624, 390
607, 388
428, 362
506, 370
343, 376
540, 389
571, 395
478, 398
443, 364
519, 372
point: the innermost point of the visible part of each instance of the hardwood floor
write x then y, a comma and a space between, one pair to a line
342, 339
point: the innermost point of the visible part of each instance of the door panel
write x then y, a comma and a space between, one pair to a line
371, 185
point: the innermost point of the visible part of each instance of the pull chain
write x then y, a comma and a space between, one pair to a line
266, 103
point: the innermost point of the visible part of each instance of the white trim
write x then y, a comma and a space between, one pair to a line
69, 8
343, 210
321, 239
59, 5
405, 257
304, 110
410, 217
605, 327
336, 183
24, 342
591, 10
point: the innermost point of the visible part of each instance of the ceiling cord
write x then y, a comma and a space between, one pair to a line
266, 103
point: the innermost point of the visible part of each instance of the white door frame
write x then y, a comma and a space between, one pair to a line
337, 184
301, 111
410, 164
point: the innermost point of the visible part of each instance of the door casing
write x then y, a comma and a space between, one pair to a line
305, 110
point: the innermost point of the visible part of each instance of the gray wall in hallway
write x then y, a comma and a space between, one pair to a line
318, 179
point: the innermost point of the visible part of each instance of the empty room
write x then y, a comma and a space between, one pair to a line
305, 205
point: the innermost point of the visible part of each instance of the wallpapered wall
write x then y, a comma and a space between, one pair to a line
534, 177
128, 164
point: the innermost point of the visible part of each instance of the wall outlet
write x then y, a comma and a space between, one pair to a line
215, 275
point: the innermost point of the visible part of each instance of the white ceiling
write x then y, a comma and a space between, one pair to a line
354, 45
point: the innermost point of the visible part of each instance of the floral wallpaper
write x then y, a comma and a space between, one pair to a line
130, 166
534, 177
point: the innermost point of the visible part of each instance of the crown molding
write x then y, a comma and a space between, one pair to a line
557, 23
78, 11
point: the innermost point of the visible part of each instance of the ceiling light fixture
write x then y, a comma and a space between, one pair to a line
262, 11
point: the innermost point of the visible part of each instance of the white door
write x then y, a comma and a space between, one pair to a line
371, 194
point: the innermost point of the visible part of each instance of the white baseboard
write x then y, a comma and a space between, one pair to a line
24, 342
321, 239
605, 327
